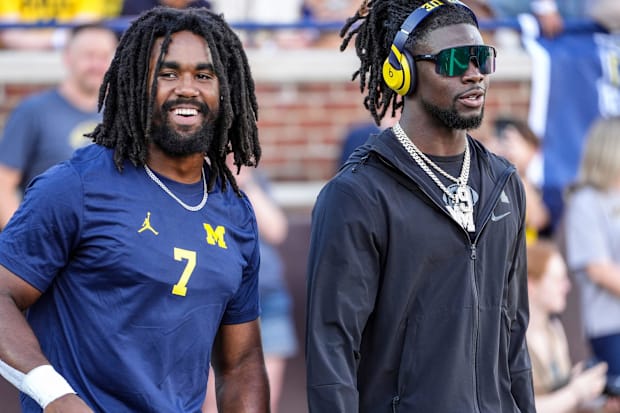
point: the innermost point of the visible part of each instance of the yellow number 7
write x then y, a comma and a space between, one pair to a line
180, 288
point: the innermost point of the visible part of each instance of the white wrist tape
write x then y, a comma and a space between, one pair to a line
43, 384
13, 376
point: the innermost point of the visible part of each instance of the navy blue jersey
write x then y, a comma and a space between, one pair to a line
134, 286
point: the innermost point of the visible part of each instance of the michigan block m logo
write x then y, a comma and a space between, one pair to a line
215, 236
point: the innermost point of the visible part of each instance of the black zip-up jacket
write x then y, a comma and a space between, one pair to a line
406, 311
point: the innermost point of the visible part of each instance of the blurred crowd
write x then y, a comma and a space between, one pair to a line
16, 14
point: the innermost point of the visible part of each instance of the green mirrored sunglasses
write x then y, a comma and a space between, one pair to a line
454, 61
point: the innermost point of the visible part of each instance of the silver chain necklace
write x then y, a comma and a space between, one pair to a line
163, 186
463, 206
423, 161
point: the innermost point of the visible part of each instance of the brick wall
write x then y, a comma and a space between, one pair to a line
302, 125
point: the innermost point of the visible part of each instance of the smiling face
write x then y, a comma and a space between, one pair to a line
455, 102
186, 105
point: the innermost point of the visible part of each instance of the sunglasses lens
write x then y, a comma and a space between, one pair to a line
455, 60
486, 59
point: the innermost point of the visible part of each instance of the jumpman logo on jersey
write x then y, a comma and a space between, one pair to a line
147, 224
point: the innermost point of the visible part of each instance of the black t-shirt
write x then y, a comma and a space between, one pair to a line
452, 165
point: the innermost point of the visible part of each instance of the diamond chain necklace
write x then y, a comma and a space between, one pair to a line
198, 207
423, 161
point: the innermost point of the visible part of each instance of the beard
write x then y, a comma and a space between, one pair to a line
451, 118
179, 141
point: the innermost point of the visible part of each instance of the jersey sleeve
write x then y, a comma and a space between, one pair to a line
244, 306
38, 240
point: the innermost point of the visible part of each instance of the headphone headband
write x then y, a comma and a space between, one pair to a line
398, 61
416, 17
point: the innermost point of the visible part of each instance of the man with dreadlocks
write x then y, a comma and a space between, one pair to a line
138, 258
417, 288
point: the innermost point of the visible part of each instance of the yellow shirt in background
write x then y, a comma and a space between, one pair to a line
63, 11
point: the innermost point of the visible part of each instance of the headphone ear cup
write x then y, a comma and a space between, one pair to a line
392, 76
402, 79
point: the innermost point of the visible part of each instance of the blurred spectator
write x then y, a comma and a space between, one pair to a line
265, 12
549, 13
276, 320
284, 11
329, 11
59, 11
520, 145
481, 8
592, 238
45, 128
135, 7
358, 134
558, 387
605, 12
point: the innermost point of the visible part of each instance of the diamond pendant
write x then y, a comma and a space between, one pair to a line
462, 209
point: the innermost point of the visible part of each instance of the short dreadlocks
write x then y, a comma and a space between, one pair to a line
126, 97
380, 21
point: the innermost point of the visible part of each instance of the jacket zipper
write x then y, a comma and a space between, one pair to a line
395, 402
497, 190
473, 256
476, 332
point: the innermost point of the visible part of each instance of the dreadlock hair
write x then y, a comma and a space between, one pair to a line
379, 21
127, 98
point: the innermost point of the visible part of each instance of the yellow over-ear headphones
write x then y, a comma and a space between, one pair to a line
399, 67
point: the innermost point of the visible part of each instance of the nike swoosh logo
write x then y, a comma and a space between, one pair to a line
496, 218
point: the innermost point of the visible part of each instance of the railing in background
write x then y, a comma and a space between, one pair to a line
121, 23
